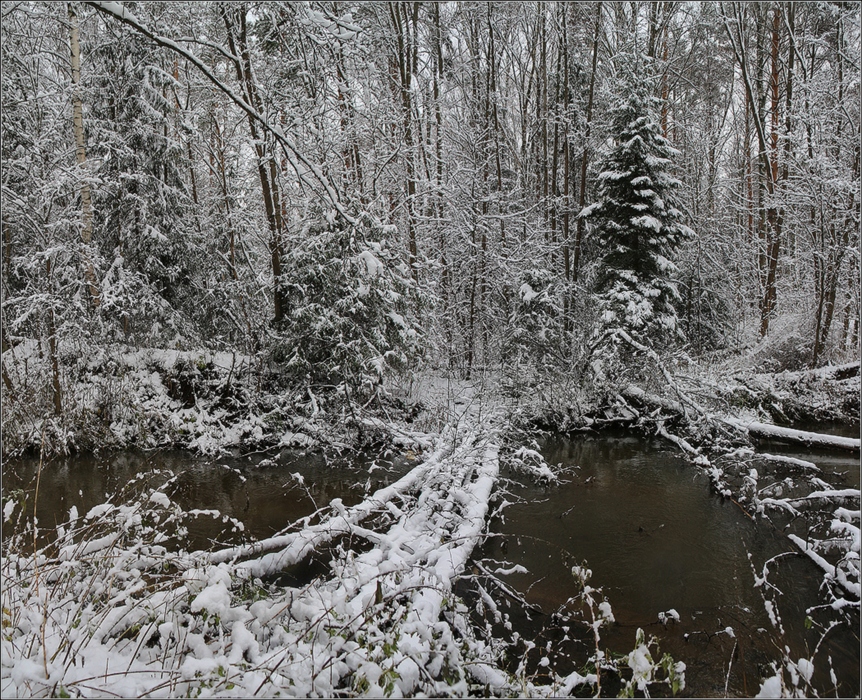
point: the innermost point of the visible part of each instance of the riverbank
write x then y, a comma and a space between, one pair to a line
386, 611
212, 402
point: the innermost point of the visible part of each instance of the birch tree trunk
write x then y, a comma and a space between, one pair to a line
81, 153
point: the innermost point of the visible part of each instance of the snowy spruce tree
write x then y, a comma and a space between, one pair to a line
348, 317
638, 223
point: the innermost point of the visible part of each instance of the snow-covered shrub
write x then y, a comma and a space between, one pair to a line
647, 672
546, 345
107, 595
348, 306
787, 347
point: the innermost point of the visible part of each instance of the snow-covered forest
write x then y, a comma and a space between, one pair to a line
428, 239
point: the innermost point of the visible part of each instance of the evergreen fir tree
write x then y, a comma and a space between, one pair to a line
349, 317
638, 223
144, 212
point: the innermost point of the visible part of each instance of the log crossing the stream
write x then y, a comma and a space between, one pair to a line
422, 530
803, 437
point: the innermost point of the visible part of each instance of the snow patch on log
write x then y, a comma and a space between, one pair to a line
775, 432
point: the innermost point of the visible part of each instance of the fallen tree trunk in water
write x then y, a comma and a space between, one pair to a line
775, 432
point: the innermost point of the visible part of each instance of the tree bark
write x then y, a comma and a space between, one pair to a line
582, 194
768, 262
81, 154
406, 61
235, 24
774, 216
567, 263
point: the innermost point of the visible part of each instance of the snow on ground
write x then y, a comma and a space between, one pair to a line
116, 612
385, 621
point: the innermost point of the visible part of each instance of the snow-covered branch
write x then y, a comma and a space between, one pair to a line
299, 162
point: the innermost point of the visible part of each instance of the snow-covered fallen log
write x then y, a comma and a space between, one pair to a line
791, 461
637, 394
294, 546
830, 372
833, 572
679, 442
401, 436
827, 495
775, 432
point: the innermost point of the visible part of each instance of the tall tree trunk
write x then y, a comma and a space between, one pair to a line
5, 347
235, 24
219, 167
555, 155
81, 154
582, 194
498, 162
542, 106
665, 103
769, 221
56, 389
178, 107
567, 200
748, 170
774, 216
351, 155
446, 280
837, 243
406, 60
53, 354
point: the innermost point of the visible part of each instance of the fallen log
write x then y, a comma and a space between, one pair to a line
831, 372
645, 399
792, 461
833, 572
775, 432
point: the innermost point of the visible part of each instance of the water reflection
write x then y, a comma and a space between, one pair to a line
655, 538
261, 492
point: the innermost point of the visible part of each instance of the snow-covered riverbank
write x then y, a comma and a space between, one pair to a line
112, 609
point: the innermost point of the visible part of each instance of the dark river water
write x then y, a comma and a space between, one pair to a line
656, 540
641, 518
262, 492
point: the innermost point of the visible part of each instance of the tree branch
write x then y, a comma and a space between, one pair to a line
299, 162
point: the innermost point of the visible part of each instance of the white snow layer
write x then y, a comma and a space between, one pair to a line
385, 622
